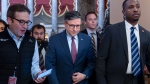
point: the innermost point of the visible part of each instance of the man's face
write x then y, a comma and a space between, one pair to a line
2, 26
132, 11
73, 26
91, 21
16, 25
38, 34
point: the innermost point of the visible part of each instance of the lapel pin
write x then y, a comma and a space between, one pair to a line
142, 30
81, 39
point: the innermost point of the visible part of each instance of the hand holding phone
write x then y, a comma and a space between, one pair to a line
46, 73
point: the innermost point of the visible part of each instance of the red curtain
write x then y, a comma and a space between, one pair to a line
65, 5
11, 2
42, 5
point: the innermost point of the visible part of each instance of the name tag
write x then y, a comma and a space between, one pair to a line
12, 80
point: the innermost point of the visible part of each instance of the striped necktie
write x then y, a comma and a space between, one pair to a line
135, 54
93, 42
41, 61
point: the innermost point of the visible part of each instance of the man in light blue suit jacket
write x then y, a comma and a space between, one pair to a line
59, 58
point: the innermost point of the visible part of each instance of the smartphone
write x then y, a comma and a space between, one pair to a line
46, 73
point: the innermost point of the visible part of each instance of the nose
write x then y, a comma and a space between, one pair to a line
135, 9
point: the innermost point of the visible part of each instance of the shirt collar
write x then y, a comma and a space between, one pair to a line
89, 31
13, 36
128, 25
70, 37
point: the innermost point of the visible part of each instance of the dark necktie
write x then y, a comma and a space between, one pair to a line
135, 54
41, 62
93, 42
73, 50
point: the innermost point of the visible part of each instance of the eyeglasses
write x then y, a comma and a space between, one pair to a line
73, 26
22, 22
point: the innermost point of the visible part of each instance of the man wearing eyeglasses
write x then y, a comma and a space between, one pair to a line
19, 57
70, 53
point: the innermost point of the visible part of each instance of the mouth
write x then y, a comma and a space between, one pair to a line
136, 15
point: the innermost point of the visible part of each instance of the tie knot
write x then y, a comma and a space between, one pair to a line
92, 34
72, 38
132, 28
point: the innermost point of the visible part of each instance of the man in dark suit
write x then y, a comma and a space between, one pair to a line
91, 24
114, 64
70, 54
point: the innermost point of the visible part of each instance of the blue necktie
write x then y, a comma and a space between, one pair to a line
135, 54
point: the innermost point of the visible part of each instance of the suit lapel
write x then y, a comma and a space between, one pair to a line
64, 42
122, 33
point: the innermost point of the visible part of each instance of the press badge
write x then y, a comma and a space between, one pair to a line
12, 79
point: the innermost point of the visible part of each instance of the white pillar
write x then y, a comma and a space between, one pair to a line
54, 15
100, 13
4, 7
30, 6
76, 5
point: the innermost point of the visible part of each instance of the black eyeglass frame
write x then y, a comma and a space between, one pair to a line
22, 22
73, 26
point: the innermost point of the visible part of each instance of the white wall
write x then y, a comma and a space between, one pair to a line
117, 16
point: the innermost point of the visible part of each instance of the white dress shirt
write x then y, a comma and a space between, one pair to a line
69, 39
128, 31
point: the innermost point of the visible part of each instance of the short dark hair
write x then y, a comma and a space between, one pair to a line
2, 21
17, 8
124, 4
38, 26
71, 15
90, 12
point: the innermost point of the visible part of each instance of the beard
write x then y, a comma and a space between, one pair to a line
39, 41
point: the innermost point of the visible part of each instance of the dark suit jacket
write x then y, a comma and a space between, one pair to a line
59, 58
98, 38
112, 60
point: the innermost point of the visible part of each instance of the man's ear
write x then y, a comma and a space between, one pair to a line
9, 20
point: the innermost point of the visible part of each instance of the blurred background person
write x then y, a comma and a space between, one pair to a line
91, 27
3, 25
38, 32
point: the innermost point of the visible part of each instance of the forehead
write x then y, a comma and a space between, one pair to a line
132, 2
75, 21
38, 29
22, 15
91, 15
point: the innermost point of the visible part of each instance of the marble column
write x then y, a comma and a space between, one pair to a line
30, 6
54, 15
4, 7
100, 13
76, 5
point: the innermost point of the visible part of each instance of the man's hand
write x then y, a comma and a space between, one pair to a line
77, 77
40, 80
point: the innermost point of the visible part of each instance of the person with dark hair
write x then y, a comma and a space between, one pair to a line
70, 53
19, 57
91, 30
38, 32
124, 49
3, 25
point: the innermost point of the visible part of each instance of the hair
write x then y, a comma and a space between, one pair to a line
71, 15
17, 8
90, 12
2, 21
38, 26
124, 4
